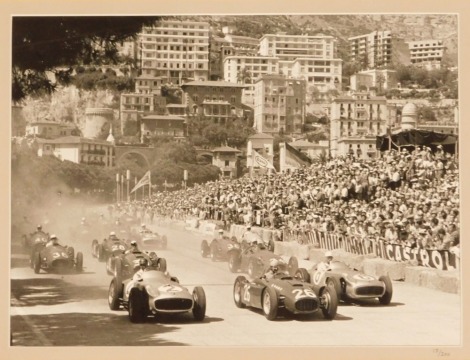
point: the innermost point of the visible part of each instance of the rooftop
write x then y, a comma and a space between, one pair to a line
225, 149
73, 140
163, 117
261, 136
213, 83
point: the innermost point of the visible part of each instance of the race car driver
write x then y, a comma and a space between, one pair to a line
133, 247
273, 269
326, 265
53, 241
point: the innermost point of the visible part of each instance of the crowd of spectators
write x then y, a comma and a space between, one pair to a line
408, 197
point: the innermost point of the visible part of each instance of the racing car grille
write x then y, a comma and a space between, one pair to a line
306, 305
173, 304
370, 290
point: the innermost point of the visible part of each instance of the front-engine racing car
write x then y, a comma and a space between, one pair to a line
109, 247
219, 248
284, 292
155, 292
254, 260
124, 265
350, 284
150, 240
56, 258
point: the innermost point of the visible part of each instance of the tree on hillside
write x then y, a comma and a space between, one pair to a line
55, 44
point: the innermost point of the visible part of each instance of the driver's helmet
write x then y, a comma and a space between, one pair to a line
134, 244
112, 235
221, 231
54, 239
273, 264
39, 227
329, 256
143, 262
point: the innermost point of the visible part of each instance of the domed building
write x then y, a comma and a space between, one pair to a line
409, 115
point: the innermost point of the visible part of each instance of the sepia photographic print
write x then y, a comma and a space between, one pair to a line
222, 183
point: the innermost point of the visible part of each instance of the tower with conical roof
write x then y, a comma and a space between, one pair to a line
110, 137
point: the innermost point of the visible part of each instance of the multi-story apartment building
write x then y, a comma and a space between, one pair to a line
426, 53
149, 84
178, 50
51, 130
133, 105
322, 73
247, 69
372, 50
226, 158
79, 150
162, 125
279, 104
291, 47
218, 100
356, 120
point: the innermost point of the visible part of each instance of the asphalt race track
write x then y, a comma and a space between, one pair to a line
44, 307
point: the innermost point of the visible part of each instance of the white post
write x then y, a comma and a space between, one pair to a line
282, 157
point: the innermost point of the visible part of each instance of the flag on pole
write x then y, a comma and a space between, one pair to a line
261, 161
142, 182
296, 158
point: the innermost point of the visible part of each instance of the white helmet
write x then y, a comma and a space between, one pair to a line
221, 231
274, 262
112, 233
143, 225
328, 254
53, 236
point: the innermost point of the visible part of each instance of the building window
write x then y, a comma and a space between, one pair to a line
227, 163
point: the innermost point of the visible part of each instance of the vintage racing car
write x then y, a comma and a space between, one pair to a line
155, 292
350, 284
56, 258
254, 260
124, 265
108, 248
284, 292
219, 248
150, 240
38, 237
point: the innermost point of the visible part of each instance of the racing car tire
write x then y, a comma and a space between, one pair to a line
252, 268
137, 306
108, 266
79, 262
94, 245
162, 264
205, 249
271, 245
114, 293
70, 252
335, 284
303, 275
199, 308
213, 252
37, 263
386, 298
234, 262
237, 291
118, 270
293, 265
331, 298
270, 303
100, 253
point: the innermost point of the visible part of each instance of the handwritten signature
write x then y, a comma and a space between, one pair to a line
439, 352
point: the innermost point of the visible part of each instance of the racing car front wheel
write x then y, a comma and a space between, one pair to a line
37, 263
329, 300
137, 305
238, 291
205, 250
303, 275
162, 264
335, 284
114, 293
386, 298
94, 245
270, 303
79, 262
234, 262
293, 265
199, 308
